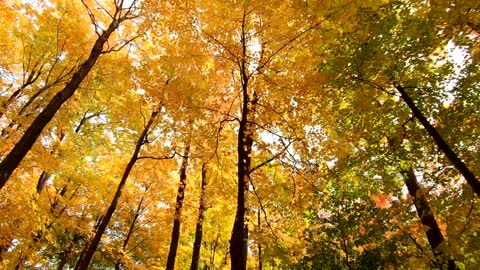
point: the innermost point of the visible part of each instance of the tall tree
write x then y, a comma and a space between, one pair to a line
441, 143
85, 259
239, 239
256, 65
434, 235
131, 228
21, 148
172, 253
412, 68
202, 208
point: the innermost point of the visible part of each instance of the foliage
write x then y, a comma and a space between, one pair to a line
330, 134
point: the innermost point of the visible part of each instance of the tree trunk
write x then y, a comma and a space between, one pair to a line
259, 245
434, 235
16, 155
130, 230
239, 238
213, 247
42, 180
172, 253
5, 243
201, 215
441, 143
84, 261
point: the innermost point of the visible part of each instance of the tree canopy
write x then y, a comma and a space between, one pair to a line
143, 134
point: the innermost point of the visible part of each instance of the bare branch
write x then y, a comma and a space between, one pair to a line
293, 39
159, 158
419, 247
104, 9
262, 208
137, 245
373, 84
85, 118
93, 20
61, 78
236, 59
265, 162
118, 47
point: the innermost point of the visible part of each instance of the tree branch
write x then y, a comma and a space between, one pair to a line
159, 158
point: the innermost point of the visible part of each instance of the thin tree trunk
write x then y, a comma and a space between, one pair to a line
172, 253
84, 261
16, 155
441, 143
344, 244
130, 230
434, 235
259, 245
214, 246
20, 264
38, 235
239, 237
197, 244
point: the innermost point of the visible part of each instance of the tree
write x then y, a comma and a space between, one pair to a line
85, 259
201, 216
441, 143
131, 229
375, 120
178, 210
15, 156
256, 65
408, 63
434, 235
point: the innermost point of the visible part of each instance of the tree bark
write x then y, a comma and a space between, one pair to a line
197, 244
16, 155
84, 261
172, 253
239, 237
441, 143
434, 235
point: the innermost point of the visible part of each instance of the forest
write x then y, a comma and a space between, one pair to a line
240, 134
